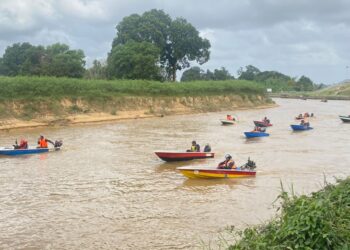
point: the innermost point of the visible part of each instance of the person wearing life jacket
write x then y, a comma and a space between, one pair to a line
42, 142
228, 163
195, 147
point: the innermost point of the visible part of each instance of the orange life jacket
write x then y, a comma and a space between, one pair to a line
42, 143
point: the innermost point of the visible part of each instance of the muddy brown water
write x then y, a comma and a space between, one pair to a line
107, 190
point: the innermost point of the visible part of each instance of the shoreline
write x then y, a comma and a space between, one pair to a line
102, 117
301, 96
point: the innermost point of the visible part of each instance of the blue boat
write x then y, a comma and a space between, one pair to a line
255, 134
300, 127
14, 152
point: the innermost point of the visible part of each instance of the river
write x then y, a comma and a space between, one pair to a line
107, 190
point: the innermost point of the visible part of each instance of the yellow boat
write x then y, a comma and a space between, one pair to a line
210, 173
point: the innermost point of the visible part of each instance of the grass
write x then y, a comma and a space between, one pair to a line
28, 88
318, 221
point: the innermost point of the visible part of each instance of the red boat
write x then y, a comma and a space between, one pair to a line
183, 156
262, 124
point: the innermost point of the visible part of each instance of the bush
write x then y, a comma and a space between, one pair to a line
319, 221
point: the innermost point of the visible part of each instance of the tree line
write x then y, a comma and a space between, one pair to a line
151, 46
271, 79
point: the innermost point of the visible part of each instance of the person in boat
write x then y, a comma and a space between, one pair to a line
207, 148
229, 117
195, 147
259, 129
23, 144
42, 142
228, 163
265, 120
304, 123
306, 115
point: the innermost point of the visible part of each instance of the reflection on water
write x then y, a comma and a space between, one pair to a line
106, 189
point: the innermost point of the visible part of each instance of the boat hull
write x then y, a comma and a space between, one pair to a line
262, 124
194, 173
183, 156
300, 127
15, 152
227, 122
345, 118
255, 134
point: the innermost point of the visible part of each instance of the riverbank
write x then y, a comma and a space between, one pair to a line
35, 101
334, 92
135, 108
306, 95
318, 221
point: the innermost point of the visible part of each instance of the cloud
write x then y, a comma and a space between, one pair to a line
295, 37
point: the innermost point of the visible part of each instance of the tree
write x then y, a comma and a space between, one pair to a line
249, 73
14, 57
54, 60
97, 71
222, 74
177, 40
304, 84
192, 74
134, 61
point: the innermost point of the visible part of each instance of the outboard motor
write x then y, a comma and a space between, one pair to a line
58, 144
249, 165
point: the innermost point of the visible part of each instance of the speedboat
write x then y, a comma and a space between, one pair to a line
183, 156
247, 170
254, 134
15, 152
262, 124
300, 127
345, 118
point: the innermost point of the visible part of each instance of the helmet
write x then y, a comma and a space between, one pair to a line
193, 142
228, 157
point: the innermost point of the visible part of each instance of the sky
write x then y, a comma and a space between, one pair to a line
294, 37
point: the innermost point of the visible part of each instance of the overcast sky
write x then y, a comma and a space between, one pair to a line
295, 37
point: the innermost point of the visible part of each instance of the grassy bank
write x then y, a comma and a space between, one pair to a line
30, 88
336, 92
49, 99
318, 221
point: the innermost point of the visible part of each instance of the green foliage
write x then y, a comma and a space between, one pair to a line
321, 221
177, 40
196, 74
97, 71
134, 60
276, 80
31, 88
55, 60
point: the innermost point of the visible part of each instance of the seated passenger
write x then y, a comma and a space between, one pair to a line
228, 163
42, 142
207, 148
194, 147
23, 144
229, 117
